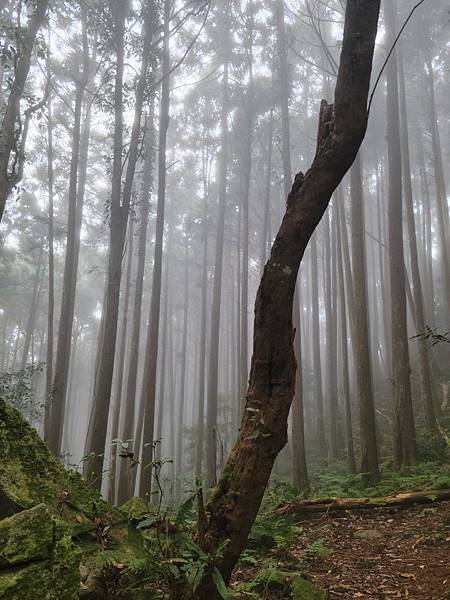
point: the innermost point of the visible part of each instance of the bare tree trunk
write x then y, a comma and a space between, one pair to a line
51, 258
31, 321
317, 366
151, 352
300, 468
63, 349
213, 359
179, 441
344, 336
117, 404
404, 436
247, 167
126, 480
202, 352
120, 208
441, 192
11, 143
419, 316
237, 497
361, 332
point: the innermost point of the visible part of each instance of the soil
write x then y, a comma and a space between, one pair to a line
375, 554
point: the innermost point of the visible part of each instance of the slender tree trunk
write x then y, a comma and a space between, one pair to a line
404, 436
317, 367
300, 468
344, 337
63, 349
202, 352
120, 208
12, 148
51, 259
181, 404
151, 352
361, 332
126, 480
213, 358
419, 313
441, 192
118, 400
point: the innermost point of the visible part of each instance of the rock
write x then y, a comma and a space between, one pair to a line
54, 523
27, 536
37, 558
368, 534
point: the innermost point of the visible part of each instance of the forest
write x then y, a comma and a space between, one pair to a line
224, 299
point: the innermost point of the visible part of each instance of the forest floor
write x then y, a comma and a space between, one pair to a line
371, 554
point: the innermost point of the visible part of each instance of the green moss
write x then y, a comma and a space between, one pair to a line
305, 590
27, 536
51, 571
136, 508
284, 584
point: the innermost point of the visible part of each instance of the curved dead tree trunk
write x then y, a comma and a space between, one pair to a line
236, 499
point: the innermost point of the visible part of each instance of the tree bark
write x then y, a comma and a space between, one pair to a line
361, 332
11, 146
148, 395
342, 126
213, 358
404, 435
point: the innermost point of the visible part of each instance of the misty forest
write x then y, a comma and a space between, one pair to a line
224, 299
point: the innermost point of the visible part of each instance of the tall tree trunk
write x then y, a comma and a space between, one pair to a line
63, 349
361, 332
404, 436
11, 143
300, 469
118, 399
51, 258
441, 192
181, 403
120, 208
317, 366
247, 168
148, 395
419, 314
203, 317
344, 335
213, 358
237, 497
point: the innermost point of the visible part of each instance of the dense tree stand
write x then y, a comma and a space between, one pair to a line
236, 499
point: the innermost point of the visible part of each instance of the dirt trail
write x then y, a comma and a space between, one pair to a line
376, 554
396, 553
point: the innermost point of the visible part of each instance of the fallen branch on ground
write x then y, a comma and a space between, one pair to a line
315, 508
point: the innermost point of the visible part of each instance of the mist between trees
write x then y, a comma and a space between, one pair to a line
147, 152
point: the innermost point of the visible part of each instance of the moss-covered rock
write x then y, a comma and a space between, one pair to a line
27, 536
112, 550
38, 558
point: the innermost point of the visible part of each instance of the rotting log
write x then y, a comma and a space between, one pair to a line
326, 506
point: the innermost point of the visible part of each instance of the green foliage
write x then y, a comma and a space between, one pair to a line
336, 482
318, 548
432, 447
273, 583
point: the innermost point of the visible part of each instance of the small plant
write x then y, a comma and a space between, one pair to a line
317, 548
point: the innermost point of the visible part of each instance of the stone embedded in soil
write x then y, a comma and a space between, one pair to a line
368, 534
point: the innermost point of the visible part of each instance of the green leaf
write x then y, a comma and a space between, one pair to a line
148, 522
220, 584
184, 510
